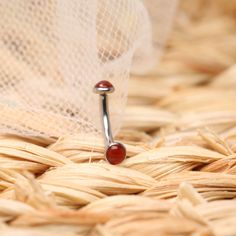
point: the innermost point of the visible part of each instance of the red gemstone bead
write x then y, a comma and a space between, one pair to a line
116, 153
104, 84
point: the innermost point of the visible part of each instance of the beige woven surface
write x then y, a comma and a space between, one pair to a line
180, 133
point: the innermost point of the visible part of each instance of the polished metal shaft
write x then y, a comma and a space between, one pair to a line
105, 119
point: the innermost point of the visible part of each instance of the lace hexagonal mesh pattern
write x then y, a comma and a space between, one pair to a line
53, 52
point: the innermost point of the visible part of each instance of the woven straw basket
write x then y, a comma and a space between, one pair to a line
180, 133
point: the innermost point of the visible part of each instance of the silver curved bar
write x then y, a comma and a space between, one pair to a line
105, 119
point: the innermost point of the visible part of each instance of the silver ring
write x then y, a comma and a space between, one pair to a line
115, 151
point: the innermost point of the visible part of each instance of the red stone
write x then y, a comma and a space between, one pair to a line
116, 153
104, 84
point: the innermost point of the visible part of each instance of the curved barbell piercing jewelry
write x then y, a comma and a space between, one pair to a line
115, 151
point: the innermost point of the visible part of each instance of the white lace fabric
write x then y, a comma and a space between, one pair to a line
53, 52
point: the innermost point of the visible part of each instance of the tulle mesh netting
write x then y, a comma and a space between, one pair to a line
52, 53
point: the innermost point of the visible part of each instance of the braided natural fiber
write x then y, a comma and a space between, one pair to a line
180, 132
